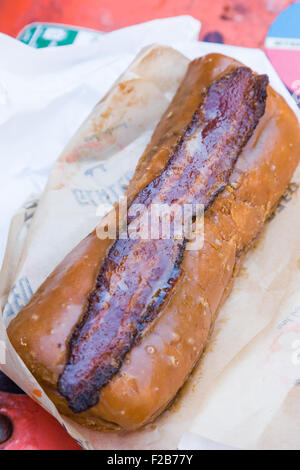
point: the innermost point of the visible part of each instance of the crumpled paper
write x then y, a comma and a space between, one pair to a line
245, 391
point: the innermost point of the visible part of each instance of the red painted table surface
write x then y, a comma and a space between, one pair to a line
33, 428
238, 22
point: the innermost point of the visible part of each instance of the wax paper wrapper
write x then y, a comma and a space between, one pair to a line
245, 391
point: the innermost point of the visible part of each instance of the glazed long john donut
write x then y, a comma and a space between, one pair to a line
137, 276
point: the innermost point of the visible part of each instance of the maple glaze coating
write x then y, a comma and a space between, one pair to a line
158, 366
138, 276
